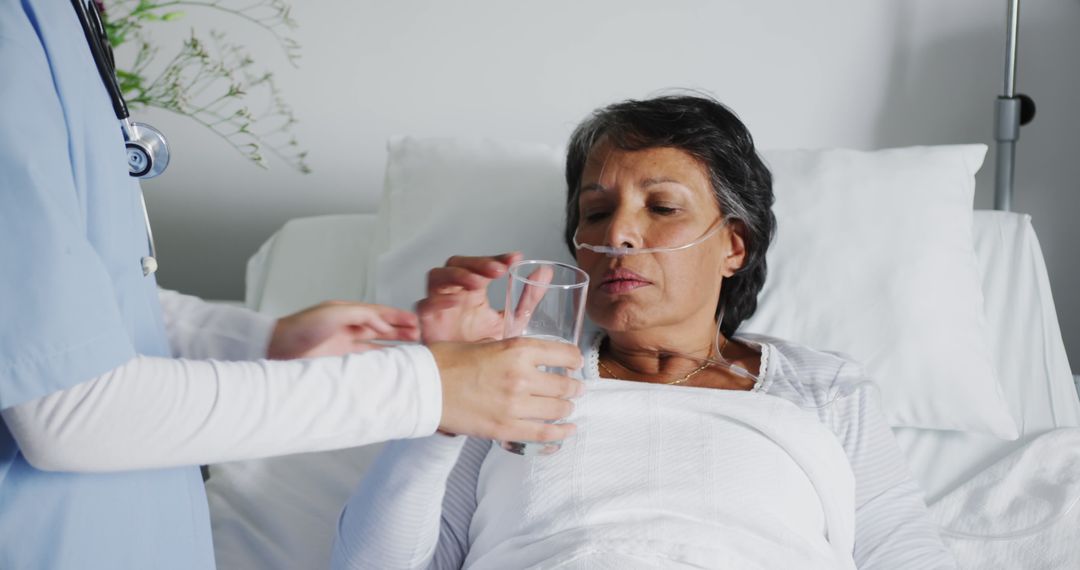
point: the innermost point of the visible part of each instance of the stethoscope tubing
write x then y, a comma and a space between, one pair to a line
103, 56
105, 62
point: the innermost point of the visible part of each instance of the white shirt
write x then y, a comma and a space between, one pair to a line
214, 402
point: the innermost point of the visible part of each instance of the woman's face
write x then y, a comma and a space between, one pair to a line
657, 197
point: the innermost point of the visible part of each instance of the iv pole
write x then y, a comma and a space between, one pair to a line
1010, 111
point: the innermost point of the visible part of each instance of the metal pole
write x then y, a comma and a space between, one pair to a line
1011, 41
1007, 116
1003, 175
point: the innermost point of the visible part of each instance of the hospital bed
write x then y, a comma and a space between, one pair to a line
281, 512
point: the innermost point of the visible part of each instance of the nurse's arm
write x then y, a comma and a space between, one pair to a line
200, 330
160, 412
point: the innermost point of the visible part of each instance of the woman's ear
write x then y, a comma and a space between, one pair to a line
736, 254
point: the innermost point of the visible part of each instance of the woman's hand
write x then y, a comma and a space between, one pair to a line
456, 307
494, 390
335, 328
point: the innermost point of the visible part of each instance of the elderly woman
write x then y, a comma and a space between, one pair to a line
779, 459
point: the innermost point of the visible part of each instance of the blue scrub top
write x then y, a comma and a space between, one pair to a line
74, 304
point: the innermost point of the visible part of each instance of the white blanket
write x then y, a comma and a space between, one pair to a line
1021, 512
662, 476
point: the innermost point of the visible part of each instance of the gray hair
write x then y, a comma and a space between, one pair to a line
711, 133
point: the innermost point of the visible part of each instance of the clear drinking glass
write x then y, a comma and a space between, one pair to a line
545, 300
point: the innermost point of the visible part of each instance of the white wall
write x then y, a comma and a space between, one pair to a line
855, 73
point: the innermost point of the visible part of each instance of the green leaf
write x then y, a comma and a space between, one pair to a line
128, 76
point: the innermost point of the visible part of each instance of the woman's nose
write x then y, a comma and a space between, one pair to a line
623, 230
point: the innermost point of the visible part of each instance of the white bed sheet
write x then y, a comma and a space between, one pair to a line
1020, 512
1032, 365
280, 513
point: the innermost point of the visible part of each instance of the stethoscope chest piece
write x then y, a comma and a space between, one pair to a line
147, 150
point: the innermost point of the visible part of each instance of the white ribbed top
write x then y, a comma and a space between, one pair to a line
415, 509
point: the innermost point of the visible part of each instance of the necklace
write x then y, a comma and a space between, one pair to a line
680, 380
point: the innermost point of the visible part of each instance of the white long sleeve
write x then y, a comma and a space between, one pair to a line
413, 509
893, 528
161, 412
200, 330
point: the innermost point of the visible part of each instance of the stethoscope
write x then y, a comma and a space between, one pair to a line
147, 150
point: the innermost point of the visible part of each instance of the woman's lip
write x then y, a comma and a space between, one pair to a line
617, 286
621, 281
622, 274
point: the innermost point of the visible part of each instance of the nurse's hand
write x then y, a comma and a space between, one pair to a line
494, 390
456, 307
335, 328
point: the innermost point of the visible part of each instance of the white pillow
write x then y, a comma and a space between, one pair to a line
1028, 351
874, 256
310, 260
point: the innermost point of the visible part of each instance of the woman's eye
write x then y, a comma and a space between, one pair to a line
595, 216
663, 210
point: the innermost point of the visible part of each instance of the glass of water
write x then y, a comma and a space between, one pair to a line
544, 300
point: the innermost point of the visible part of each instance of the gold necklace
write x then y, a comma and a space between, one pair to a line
694, 372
